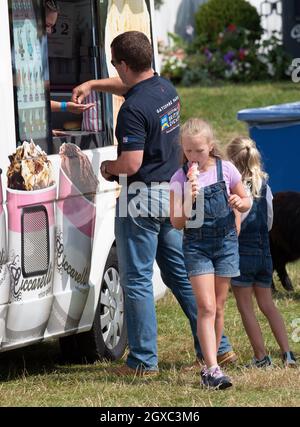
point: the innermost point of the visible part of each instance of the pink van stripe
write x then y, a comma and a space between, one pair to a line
79, 214
79, 211
16, 200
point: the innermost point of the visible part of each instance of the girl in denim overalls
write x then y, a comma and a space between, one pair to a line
210, 242
255, 257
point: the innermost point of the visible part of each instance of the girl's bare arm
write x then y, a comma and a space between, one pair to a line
239, 199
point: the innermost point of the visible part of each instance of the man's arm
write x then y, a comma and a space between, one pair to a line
70, 107
128, 163
112, 85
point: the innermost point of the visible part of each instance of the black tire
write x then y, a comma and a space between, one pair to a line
104, 341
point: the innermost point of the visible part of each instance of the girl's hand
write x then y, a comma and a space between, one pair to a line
239, 199
78, 108
191, 192
194, 188
235, 202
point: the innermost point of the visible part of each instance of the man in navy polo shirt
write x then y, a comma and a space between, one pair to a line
148, 155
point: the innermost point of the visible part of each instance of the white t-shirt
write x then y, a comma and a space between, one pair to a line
269, 198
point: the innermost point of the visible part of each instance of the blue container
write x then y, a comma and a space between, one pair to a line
276, 131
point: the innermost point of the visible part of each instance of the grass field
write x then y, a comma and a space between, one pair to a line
34, 376
219, 105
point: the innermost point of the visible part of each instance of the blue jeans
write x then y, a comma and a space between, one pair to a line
139, 242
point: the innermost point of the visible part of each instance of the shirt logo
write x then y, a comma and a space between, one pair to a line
164, 122
129, 139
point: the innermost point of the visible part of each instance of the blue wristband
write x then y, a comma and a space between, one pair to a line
63, 106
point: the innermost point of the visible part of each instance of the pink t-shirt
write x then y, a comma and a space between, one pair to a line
230, 174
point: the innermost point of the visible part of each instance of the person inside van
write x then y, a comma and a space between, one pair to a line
51, 16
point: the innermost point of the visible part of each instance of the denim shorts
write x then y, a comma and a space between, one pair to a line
255, 270
206, 253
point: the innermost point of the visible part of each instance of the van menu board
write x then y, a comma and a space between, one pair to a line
30, 64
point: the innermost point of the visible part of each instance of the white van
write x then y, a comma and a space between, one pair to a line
58, 264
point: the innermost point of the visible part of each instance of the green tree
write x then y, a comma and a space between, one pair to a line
216, 15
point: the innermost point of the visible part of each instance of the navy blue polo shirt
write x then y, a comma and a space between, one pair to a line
149, 120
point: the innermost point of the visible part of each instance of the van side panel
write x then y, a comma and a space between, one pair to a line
7, 121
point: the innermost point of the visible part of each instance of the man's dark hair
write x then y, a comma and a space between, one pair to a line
51, 5
134, 48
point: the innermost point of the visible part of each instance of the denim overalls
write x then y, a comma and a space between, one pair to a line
213, 247
255, 257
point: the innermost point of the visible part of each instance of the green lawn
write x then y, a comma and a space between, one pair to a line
35, 377
219, 105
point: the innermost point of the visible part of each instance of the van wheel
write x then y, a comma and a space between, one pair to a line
109, 326
108, 337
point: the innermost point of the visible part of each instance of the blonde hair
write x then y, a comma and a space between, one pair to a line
245, 156
199, 127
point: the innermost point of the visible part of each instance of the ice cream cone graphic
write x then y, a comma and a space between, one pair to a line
31, 195
31, 240
75, 220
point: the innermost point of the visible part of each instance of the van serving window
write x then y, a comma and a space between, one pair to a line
74, 58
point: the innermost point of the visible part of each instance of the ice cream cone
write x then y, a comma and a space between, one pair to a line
31, 239
75, 223
193, 172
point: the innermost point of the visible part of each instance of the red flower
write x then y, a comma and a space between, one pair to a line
242, 54
232, 28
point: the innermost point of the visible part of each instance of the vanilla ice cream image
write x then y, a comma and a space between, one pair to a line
77, 167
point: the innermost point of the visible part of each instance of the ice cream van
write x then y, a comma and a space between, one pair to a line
58, 265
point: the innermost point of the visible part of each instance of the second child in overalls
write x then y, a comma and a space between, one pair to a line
210, 245
255, 257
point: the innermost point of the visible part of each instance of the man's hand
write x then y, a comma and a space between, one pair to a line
103, 170
81, 92
78, 108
